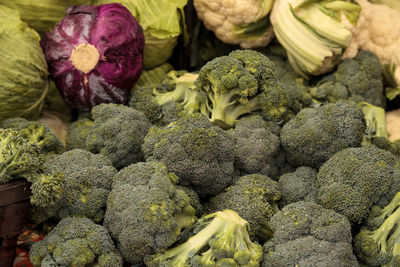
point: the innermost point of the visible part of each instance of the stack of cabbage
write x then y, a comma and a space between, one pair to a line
23, 70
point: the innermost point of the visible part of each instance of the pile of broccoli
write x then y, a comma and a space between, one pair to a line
241, 163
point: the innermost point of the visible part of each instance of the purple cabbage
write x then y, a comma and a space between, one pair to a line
95, 55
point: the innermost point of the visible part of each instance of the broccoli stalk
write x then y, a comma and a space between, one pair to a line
224, 233
182, 93
382, 244
376, 122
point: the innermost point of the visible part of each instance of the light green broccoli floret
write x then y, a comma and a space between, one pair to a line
20, 158
117, 133
145, 211
36, 133
220, 239
76, 242
88, 179
241, 83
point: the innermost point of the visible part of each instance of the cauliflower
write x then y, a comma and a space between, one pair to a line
378, 30
243, 22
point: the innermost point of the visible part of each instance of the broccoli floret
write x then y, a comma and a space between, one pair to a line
37, 133
257, 146
298, 186
359, 79
296, 87
315, 134
200, 154
243, 82
378, 245
254, 197
306, 234
354, 179
145, 211
220, 239
88, 182
175, 90
117, 133
20, 158
78, 132
194, 199
76, 242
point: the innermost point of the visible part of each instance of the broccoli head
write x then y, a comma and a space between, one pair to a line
36, 133
76, 242
315, 134
219, 239
145, 211
359, 79
355, 179
117, 133
254, 197
78, 132
257, 146
377, 243
88, 179
21, 158
200, 154
298, 186
243, 82
306, 234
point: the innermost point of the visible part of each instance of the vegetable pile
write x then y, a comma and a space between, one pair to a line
254, 134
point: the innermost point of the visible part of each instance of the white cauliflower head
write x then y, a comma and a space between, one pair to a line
243, 22
378, 30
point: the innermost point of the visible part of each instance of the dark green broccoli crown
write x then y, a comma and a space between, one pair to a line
257, 146
19, 158
145, 211
329, 90
377, 242
240, 83
354, 179
118, 132
306, 234
363, 78
76, 242
78, 132
36, 133
254, 197
298, 186
315, 134
200, 154
142, 99
219, 239
88, 179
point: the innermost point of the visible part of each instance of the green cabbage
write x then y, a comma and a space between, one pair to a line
41, 15
23, 71
162, 23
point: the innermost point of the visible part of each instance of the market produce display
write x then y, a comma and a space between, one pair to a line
193, 133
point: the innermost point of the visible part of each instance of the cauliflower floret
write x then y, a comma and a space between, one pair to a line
378, 30
243, 22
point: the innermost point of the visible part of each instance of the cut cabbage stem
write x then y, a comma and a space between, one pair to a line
84, 57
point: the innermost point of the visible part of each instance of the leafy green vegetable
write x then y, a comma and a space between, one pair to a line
23, 70
44, 14
161, 21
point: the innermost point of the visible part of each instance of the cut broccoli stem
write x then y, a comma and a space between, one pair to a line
233, 112
388, 233
186, 217
376, 122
